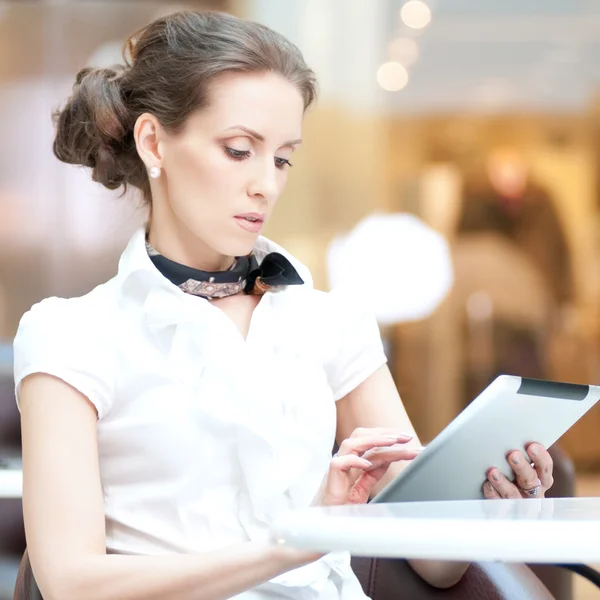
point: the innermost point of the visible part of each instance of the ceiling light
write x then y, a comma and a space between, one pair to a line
404, 50
392, 76
415, 14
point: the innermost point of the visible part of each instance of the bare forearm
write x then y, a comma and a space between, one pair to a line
208, 576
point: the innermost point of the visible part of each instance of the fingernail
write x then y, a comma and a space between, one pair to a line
402, 434
515, 460
533, 451
489, 486
495, 476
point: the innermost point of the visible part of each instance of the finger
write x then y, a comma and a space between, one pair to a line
343, 473
380, 467
393, 449
360, 492
526, 476
381, 458
543, 464
349, 461
490, 492
391, 454
379, 431
360, 445
503, 486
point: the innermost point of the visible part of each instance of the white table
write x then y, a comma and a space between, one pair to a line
11, 478
558, 531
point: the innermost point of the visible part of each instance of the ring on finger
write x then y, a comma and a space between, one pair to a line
534, 491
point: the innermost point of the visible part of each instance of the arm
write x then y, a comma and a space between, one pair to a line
64, 518
376, 403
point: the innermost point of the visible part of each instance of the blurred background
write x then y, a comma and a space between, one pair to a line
478, 120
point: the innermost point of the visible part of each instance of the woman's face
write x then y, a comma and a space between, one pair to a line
223, 174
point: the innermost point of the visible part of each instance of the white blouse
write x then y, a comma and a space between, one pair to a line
206, 437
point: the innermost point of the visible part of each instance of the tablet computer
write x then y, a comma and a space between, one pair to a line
508, 415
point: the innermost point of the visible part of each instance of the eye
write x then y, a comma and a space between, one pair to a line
280, 163
236, 154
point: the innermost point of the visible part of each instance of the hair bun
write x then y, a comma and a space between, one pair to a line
93, 127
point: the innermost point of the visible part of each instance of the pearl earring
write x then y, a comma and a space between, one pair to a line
155, 172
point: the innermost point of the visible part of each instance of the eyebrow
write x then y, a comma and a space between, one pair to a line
261, 138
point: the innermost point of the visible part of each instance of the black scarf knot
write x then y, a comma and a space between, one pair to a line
246, 275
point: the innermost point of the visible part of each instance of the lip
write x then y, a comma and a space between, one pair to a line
252, 226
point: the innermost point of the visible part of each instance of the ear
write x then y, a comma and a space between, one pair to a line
148, 134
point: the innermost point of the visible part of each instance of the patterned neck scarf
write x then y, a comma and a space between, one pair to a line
245, 275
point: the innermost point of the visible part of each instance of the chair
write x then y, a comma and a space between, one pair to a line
389, 579
12, 533
26, 587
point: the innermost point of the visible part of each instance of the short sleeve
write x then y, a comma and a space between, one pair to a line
57, 338
357, 349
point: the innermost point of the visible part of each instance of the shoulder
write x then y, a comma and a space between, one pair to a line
58, 329
72, 339
79, 315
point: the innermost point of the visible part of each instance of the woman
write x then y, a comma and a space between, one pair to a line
173, 412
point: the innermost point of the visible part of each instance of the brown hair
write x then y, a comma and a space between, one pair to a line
172, 61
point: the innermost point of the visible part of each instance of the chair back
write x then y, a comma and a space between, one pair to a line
26, 587
391, 579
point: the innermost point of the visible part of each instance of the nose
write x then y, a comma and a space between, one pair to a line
264, 182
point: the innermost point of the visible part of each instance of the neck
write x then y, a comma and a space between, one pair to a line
183, 247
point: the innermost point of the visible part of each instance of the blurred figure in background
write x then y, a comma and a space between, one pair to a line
507, 200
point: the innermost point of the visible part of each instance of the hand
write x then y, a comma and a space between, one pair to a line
361, 462
533, 473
